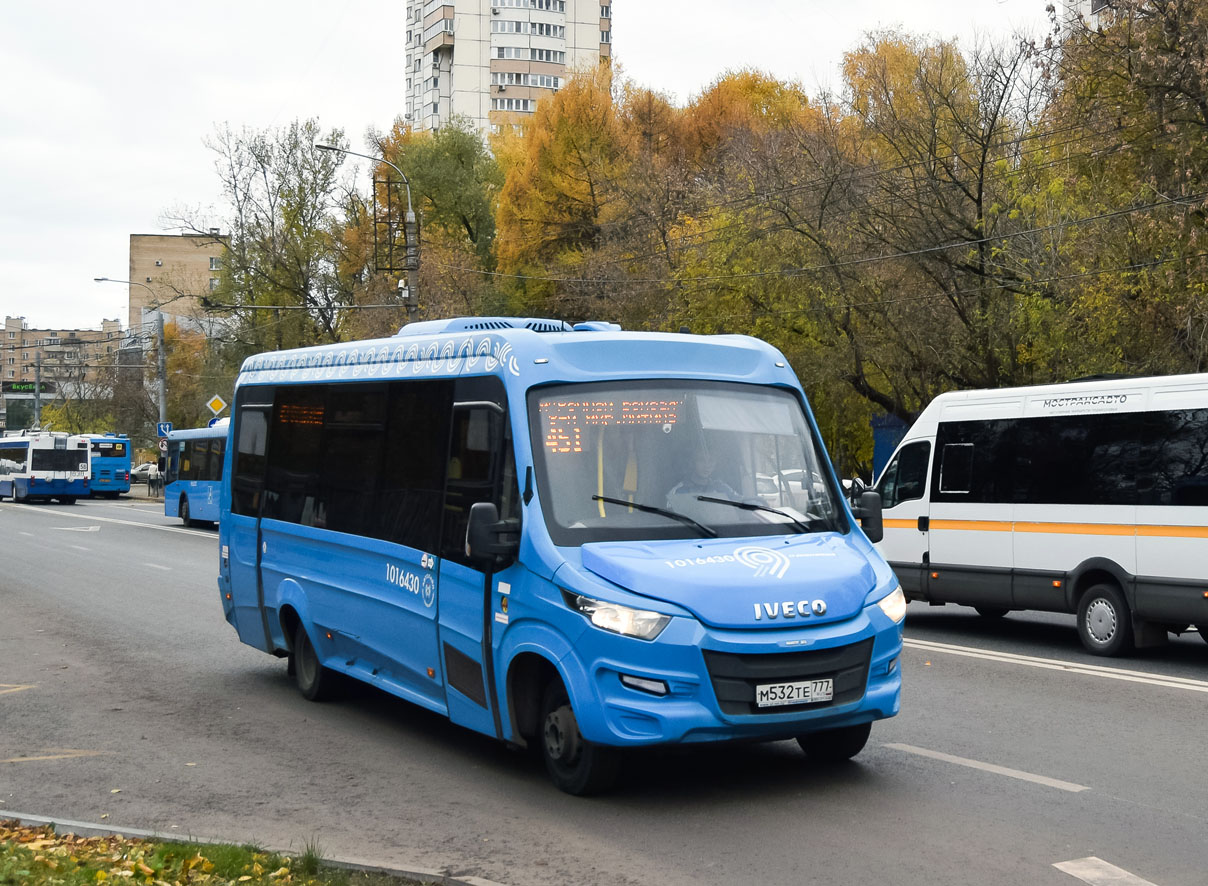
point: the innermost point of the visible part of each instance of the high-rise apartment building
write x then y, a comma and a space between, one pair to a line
491, 61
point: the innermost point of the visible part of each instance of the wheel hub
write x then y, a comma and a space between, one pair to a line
1101, 621
561, 735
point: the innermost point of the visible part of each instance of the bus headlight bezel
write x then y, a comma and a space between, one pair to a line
893, 605
617, 619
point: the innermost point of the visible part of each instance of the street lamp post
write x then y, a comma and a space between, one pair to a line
411, 265
162, 370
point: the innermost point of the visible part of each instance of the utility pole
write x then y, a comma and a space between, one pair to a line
410, 231
163, 371
38, 389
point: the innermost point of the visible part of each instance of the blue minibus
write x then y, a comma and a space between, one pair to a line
110, 464
573, 538
41, 465
193, 473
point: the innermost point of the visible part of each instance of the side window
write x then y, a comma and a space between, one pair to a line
412, 483
251, 438
481, 465
291, 481
1174, 459
906, 477
974, 462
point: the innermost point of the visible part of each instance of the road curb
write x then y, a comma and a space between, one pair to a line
93, 829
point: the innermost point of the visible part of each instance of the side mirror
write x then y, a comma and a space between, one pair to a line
489, 539
868, 511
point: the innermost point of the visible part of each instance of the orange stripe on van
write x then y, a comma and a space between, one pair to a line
1106, 529
972, 525
898, 523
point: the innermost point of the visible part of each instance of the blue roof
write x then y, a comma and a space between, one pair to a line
540, 350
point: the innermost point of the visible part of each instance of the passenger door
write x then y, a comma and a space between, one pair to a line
240, 529
481, 469
903, 488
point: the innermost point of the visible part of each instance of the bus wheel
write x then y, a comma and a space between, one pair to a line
835, 745
1104, 622
315, 682
576, 765
990, 612
184, 511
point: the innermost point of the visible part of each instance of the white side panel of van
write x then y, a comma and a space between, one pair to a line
977, 535
1057, 538
1173, 542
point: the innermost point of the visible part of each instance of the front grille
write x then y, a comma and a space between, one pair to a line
735, 675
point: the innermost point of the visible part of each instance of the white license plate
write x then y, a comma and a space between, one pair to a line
770, 695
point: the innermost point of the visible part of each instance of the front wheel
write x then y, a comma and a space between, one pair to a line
576, 765
314, 681
184, 511
835, 745
1104, 622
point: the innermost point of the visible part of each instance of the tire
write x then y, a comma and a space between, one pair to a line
184, 511
575, 765
314, 681
990, 612
1104, 622
835, 745
1203, 629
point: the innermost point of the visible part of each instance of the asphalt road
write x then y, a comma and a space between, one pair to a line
126, 699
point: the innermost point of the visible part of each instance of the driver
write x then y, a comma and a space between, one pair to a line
700, 480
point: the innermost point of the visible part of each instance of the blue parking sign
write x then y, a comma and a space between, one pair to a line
163, 428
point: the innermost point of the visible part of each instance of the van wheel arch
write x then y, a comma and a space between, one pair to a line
1096, 571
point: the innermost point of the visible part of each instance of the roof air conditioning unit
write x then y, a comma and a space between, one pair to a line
500, 88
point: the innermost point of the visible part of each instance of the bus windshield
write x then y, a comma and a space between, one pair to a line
694, 459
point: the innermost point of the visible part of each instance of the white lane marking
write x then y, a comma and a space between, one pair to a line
210, 535
1070, 667
990, 767
1098, 872
28, 534
80, 547
78, 528
157, 566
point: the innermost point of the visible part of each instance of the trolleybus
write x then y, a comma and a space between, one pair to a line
44, 465
110, 464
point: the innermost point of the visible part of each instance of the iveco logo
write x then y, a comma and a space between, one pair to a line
790, 609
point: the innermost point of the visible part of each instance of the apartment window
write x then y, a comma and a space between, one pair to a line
215, 264
605, 12
213, 283
12, 335
12, 373
513, 104
12, 361
525, 54
606, 36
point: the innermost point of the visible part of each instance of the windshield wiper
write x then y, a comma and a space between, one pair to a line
751, 506
665, 512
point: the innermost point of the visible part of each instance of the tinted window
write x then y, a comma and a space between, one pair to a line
1079, 459
1174, 459
251, 437
973, 462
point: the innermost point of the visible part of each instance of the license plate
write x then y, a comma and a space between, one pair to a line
770, 695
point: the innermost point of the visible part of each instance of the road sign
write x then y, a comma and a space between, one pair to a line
216, 404
163, 428
163, 445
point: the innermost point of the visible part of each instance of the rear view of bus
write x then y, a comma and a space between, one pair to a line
110, 465
41, 466
575, 539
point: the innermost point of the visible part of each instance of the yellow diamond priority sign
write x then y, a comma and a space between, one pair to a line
216, 404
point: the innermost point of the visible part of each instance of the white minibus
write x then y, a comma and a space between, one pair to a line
1089, 497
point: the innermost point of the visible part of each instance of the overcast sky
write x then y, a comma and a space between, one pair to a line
104, 108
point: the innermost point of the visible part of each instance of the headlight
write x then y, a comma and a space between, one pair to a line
638, 623
894, 604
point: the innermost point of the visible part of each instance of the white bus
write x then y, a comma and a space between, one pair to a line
44, 465
1089, 497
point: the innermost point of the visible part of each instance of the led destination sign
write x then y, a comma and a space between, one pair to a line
564, 421
26, 387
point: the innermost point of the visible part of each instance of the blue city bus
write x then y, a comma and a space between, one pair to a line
193, 473
501, 520
110, 464
44, 465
